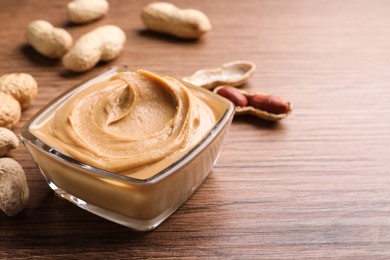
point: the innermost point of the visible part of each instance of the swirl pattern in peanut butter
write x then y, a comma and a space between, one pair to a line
131, 122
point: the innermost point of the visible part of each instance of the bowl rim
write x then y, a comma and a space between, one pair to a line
28, 137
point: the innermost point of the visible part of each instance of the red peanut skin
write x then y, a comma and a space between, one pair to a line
269, 103
236, 97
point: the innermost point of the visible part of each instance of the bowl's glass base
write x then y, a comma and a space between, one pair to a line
139, 225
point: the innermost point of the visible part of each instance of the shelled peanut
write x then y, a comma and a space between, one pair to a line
48, 40
17, 91
8, 141
85, 11
101, 44
167, 18
267, 107
14, 192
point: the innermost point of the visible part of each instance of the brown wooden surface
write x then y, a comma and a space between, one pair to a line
315, 185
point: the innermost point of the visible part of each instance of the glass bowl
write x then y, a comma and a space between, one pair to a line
141, 204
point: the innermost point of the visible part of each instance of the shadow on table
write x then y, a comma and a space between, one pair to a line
37, 58
99, 68
40, 60
165, 37
259, 123
56, 226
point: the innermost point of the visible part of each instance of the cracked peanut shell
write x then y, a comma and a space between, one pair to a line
233, 73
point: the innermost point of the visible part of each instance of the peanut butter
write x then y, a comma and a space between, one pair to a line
135, 123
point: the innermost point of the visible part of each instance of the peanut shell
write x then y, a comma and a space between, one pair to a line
233, 73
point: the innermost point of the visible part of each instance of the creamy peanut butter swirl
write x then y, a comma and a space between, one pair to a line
132, 120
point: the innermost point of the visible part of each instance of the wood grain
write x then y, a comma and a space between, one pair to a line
315, 185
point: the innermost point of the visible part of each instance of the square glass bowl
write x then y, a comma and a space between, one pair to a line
141, 204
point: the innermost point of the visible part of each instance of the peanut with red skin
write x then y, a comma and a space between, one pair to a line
269, 103
236, 97
261, 105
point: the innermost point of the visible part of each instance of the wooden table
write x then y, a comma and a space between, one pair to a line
314, 185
